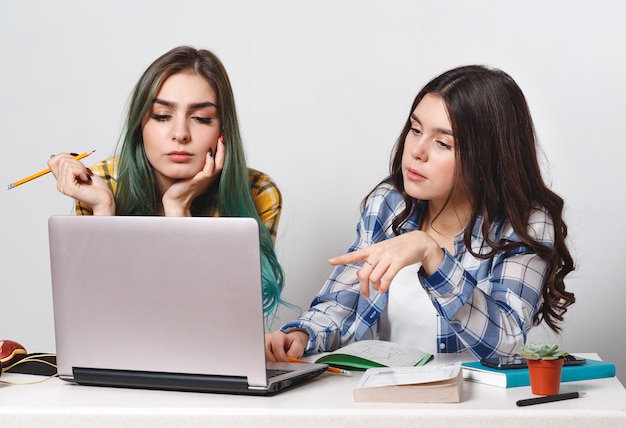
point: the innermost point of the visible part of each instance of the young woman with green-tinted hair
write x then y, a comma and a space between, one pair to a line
181, 154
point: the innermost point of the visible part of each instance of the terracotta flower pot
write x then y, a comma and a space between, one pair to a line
545, 376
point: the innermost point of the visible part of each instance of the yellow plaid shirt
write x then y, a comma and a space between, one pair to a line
267, 197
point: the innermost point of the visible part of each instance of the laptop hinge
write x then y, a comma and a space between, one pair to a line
159, 380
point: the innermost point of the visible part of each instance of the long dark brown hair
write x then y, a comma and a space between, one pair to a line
496, 150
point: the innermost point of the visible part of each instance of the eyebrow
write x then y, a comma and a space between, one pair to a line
192, 106
439, 130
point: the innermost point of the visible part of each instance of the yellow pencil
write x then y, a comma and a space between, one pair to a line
45, 171
331, 369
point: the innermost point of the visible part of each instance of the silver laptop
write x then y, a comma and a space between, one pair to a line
163, 303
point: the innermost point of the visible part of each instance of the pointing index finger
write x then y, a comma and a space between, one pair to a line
353, 257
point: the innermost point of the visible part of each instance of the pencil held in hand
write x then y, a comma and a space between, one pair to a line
45, 171
331, 369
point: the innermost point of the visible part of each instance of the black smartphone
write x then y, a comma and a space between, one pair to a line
516, 362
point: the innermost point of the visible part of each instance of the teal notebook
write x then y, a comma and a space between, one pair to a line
510, 378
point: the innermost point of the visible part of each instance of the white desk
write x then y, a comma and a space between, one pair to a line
325, 402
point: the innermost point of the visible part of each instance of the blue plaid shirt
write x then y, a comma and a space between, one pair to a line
486, 306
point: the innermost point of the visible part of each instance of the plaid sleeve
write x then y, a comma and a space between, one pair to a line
267, 200
339, 313
107, 170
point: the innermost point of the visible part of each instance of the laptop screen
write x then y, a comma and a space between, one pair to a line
158, 294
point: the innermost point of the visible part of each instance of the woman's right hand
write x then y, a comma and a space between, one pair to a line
75, 181
280, 346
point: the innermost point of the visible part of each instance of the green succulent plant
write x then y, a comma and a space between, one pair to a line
541, 351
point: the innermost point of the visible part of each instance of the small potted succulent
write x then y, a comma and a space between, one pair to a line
545, 363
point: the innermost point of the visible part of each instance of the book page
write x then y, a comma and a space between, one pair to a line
408, 375
386, 353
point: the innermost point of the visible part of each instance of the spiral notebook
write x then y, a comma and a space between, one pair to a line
163, 303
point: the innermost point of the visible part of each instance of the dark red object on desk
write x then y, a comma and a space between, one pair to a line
10, 352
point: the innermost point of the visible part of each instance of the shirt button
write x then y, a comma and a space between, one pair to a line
442, 345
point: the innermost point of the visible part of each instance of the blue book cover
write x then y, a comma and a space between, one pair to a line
510, 378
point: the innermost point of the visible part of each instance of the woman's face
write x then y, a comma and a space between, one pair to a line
181, 127
428, 160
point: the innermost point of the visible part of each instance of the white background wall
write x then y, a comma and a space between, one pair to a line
323, 88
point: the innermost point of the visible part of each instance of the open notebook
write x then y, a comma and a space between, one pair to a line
163, 303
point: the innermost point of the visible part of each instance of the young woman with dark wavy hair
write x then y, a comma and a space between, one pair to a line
465, 207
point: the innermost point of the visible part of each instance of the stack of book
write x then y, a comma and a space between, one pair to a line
396, 373
510, 378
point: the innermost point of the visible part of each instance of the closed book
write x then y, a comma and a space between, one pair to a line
510, 378
365, 354
431, 384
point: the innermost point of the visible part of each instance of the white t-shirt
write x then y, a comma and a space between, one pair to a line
409, 317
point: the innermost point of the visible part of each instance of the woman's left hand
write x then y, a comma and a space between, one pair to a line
178, 198
383, 260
